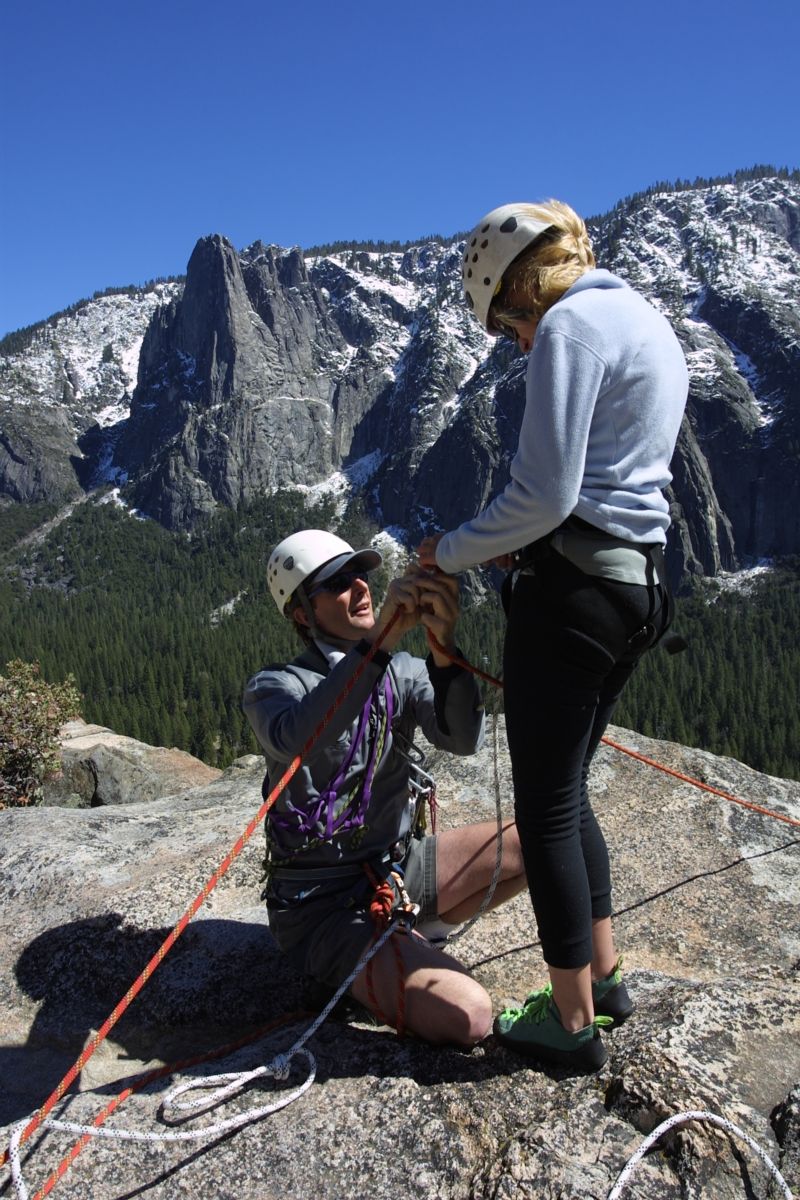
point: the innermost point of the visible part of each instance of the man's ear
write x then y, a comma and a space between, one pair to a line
299, 617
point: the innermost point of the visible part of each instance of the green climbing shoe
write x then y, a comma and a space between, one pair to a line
609, 996
536, 1030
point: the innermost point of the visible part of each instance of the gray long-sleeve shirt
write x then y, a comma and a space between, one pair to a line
285, 706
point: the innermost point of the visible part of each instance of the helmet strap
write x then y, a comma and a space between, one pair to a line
305, 604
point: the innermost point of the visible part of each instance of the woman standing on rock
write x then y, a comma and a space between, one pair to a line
581, 525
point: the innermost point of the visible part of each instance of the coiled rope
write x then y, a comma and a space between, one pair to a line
224, 1086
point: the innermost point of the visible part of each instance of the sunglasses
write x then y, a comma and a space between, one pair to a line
338, 583
508, 331
505, 331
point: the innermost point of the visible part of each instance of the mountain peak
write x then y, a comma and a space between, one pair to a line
273, 368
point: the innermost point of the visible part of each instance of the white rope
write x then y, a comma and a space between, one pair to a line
682, 1119
231, 1083
227, 1085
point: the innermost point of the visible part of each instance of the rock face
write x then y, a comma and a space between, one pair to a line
102, 767
706, 911
63, 396
271, 369
234, 386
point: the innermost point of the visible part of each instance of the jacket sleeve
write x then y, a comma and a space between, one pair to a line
284, 716
564, 380
447, 704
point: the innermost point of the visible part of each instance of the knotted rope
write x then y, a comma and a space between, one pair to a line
384, 908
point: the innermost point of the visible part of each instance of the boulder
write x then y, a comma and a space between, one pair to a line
706, 906
102, 767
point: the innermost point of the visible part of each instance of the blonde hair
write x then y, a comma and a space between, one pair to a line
544, 271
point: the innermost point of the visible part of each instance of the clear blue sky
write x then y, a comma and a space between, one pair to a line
133, 129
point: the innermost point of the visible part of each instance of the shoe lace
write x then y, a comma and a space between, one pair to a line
535, 997
537, 1008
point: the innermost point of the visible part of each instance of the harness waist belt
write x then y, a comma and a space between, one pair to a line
596, 552
351, 870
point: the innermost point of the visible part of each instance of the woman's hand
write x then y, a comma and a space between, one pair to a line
426, 550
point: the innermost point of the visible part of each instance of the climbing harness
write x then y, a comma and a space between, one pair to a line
682, 1119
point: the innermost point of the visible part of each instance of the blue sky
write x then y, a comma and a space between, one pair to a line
131, 130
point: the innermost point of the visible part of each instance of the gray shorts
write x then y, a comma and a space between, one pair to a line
324, 926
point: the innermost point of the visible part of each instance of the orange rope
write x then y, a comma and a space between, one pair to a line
380, 909
650, 762
706, 787
222, 869
190, 912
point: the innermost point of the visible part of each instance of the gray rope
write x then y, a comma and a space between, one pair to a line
498, 861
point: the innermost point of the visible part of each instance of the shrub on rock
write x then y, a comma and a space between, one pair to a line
31, 713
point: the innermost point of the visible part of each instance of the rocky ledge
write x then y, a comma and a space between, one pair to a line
707, 902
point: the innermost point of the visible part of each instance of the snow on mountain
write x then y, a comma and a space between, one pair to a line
86, 362
691, 251
362, 371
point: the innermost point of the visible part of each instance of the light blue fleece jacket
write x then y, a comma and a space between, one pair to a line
605, 393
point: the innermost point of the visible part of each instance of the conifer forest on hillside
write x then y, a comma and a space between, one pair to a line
161, 631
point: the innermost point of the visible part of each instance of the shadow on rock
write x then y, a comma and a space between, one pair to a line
220, 979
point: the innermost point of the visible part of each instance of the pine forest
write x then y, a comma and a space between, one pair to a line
161, 632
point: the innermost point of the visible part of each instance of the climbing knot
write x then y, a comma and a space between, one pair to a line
281, 1066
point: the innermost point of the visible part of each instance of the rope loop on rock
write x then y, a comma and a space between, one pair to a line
682, 1119
174, 1112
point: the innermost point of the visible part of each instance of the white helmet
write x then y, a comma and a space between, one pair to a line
312, 552
491, 248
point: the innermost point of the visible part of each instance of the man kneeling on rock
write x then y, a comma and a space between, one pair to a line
342, 834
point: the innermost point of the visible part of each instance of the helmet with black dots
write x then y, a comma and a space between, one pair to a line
491, 248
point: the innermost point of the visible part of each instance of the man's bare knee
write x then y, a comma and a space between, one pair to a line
460, 1015
476, 1023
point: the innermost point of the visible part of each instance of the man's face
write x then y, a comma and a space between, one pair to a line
347, 613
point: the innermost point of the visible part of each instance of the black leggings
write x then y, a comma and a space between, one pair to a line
571, 645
